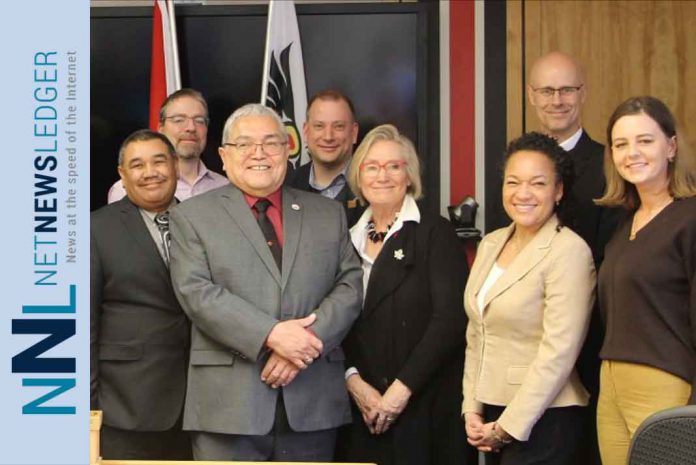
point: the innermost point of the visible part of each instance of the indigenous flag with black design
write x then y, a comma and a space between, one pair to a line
164, 71
283, 87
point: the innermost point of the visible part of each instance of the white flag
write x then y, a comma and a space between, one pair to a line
283, 87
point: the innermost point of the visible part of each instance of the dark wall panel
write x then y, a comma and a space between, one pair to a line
371, 52
496, 113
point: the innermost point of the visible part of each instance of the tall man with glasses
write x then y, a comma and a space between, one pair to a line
557, 91
271, 282
138, 332
184, 120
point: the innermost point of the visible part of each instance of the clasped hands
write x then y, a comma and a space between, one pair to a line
379, 412
294, 347
486, 437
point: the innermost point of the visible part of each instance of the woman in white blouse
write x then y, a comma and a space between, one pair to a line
528, 301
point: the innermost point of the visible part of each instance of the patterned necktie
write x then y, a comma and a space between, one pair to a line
268, 232
162, 222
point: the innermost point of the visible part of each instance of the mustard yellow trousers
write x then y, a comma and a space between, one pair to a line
628, 394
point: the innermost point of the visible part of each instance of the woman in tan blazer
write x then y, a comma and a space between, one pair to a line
528, 299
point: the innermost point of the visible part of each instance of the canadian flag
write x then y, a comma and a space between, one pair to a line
164, 72
283, 86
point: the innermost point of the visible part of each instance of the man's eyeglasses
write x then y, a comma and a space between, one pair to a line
245, 148
563, 92
181, 120
370, 169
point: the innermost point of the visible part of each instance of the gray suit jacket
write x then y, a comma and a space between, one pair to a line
229, 285
138, 333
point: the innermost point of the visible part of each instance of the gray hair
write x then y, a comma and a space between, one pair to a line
252, 109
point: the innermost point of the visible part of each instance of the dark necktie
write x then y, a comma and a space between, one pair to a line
268, 232
162, 222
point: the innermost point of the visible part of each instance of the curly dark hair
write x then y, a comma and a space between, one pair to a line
562, 163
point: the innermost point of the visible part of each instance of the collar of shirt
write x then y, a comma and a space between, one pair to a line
202, 172
570, 143
358, 233
149, 218
274, 212
332, 189
148, 215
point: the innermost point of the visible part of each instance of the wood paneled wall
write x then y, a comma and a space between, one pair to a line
627, 47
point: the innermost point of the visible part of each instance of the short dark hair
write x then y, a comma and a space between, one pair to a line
562, 165
144, 135
334, 96
185, 92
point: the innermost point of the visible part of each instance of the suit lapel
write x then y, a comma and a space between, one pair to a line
391, 267
137, 229
580, 155
293, 213
232, 200
527, 259
487, 256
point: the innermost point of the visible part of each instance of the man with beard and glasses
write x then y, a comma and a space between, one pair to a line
184, 120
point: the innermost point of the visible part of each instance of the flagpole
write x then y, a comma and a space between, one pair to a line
266, 57
175, 48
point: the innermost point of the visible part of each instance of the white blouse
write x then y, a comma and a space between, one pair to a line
358, 233
493, 275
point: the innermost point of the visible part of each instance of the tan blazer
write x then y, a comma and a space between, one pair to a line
521, 351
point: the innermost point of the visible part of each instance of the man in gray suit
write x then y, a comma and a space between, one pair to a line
138, 332
271, 283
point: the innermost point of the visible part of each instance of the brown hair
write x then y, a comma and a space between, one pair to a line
331, 95
681, 173
185, 92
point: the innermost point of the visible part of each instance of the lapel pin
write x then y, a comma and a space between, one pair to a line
352, 203
295, 207
399, 254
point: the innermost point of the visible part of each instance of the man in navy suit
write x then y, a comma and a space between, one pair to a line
139, 336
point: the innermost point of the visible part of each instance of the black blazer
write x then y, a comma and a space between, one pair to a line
299, 179
412, 327
139, 335
593, 223
596, 226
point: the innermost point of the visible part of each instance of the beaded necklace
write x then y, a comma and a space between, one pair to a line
376, 236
